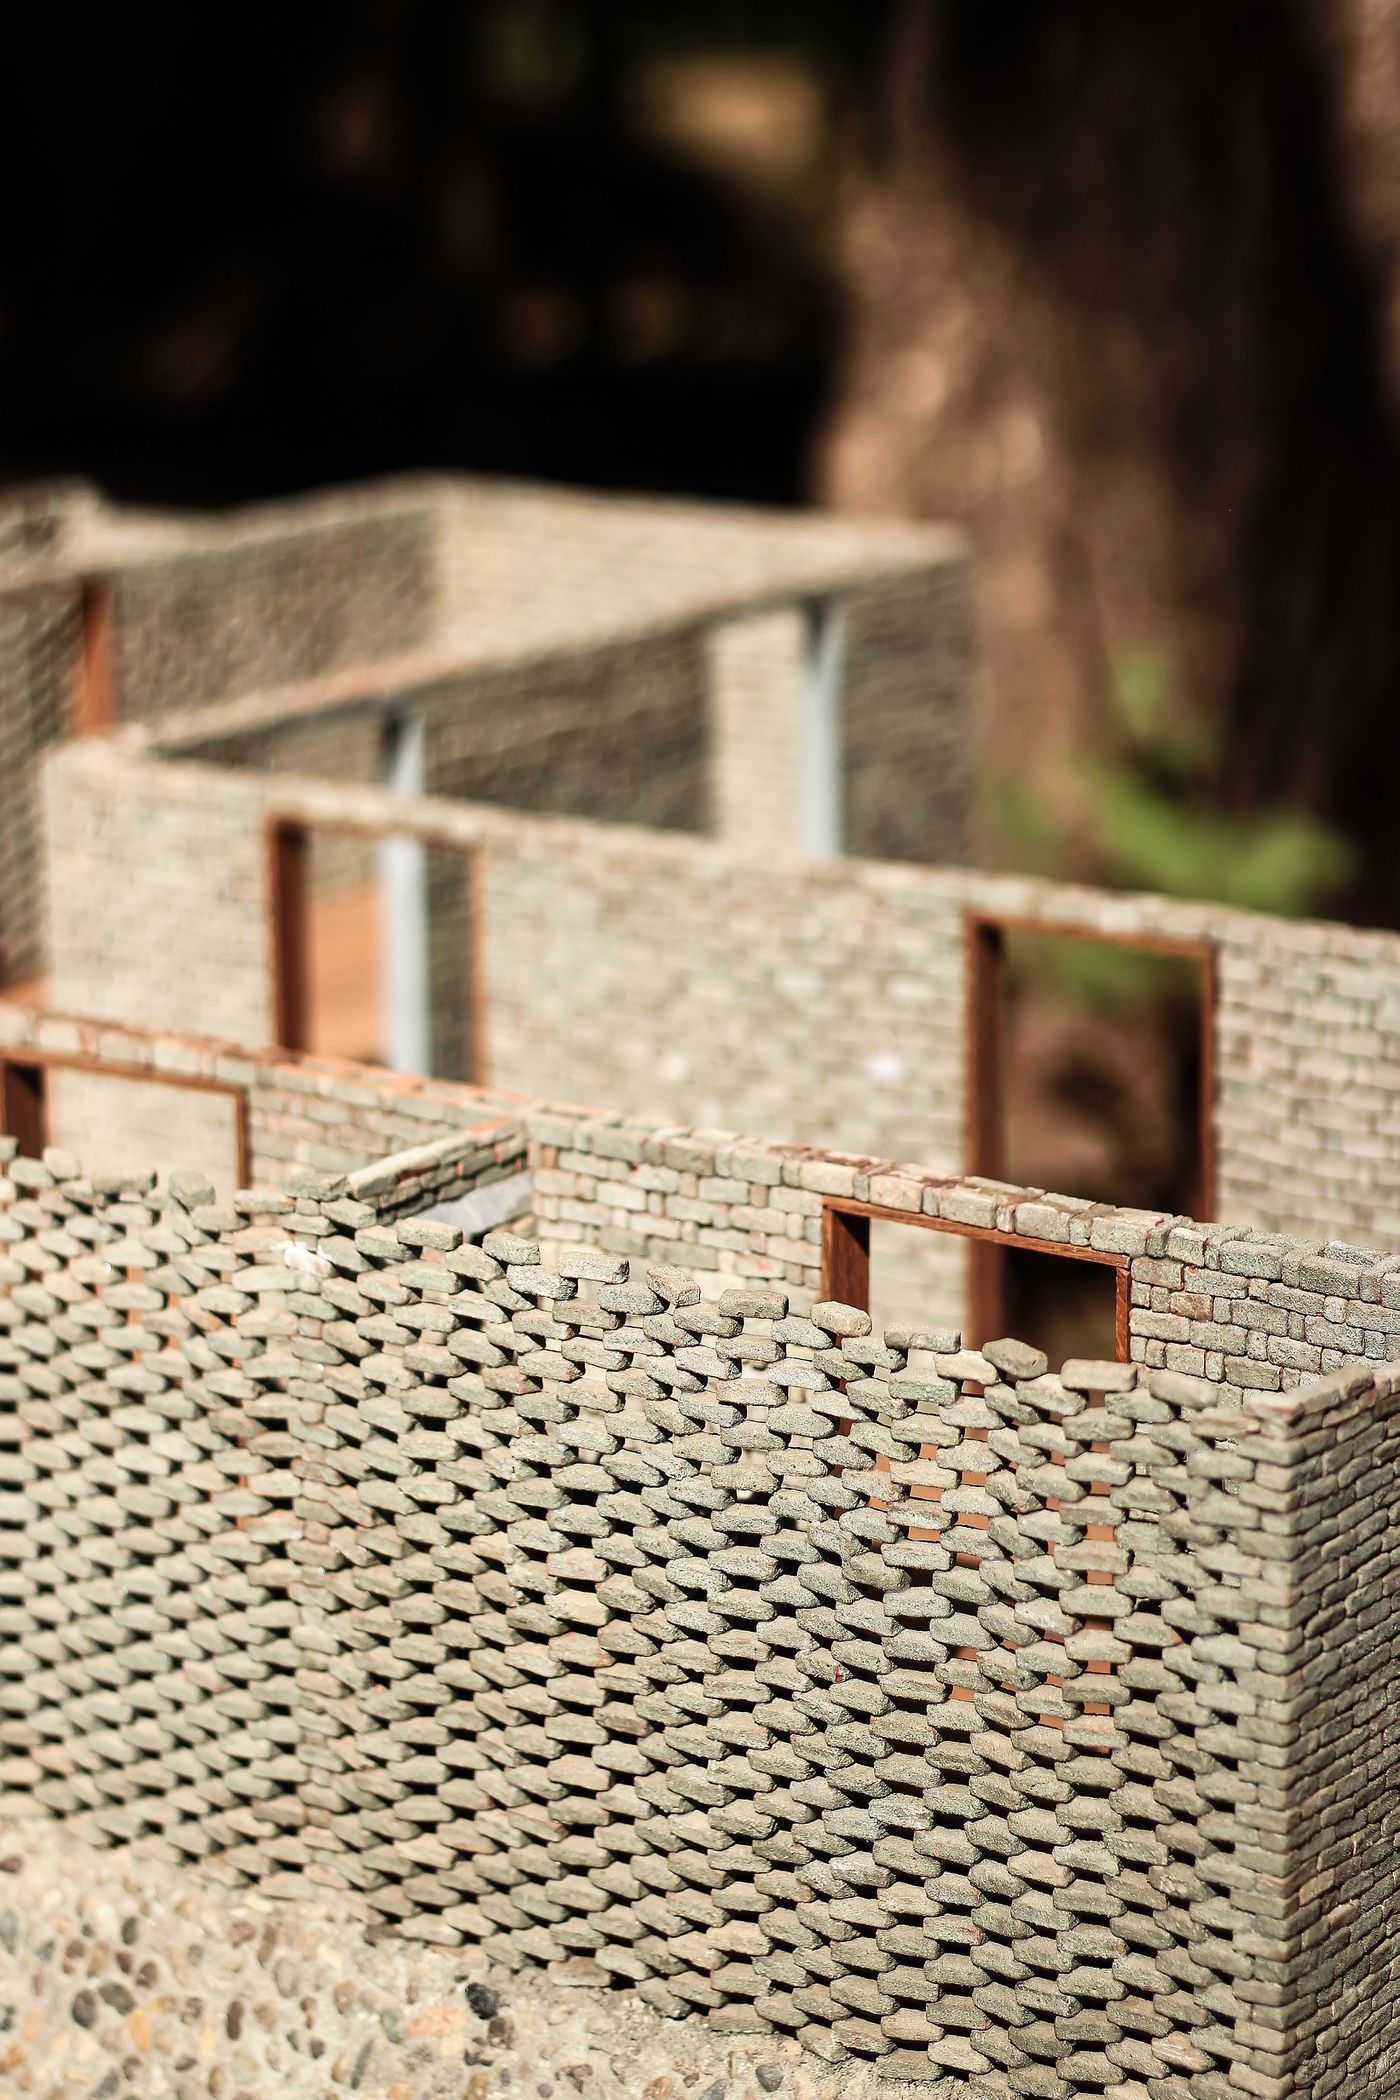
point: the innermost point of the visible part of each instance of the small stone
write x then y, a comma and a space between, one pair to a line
233, 2020
117, 1996
358, 2069
190, 1191
9, 1930
846, 1321
84, 2008
769, 2076
484, 2002
501, 2031
511, 1249
1017, 1359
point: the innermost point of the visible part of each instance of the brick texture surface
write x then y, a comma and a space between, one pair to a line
982, 1722
556, 644
674, 978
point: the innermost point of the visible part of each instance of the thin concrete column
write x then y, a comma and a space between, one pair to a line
822, 783
403, 892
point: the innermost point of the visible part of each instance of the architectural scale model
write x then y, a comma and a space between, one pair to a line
490, 1536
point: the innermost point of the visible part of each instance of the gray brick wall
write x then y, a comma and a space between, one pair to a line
907, 717
1248, 1310
302, 1112
673, 978
557, 641
39, 629
129, 1126
616, 732
158, 901
942, 1712
195, 624
1336, 1766
757, 669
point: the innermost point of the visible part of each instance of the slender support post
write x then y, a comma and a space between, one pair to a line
291, 1002
823, 769
986, 1278
403, 877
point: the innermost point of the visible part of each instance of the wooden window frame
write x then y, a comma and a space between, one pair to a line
19, 1067
846, 1257
287, 841
984, 937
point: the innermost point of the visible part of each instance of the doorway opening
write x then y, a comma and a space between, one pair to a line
1089, 1072
374, 948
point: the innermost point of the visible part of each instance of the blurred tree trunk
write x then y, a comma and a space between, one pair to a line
1126, 304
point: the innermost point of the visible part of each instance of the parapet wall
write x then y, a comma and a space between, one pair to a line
284, 593
190, 611
1245, 1309
564, 647
676, 979
40, 626
702, 721
913, 1701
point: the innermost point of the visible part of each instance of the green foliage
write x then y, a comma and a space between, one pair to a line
1097, 975
1148, 822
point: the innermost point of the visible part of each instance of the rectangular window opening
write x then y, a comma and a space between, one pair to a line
375, 949
124, 1119
912, 1273
345, 992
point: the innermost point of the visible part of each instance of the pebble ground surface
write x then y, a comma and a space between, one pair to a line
124, 1978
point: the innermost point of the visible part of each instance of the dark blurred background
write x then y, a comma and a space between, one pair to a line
290, 244
1113, 286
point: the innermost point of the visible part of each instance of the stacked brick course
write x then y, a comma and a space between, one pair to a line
1246, 1309
677, 979
996, 1725
39, 632
556, 644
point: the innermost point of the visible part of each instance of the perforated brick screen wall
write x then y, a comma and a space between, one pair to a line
920, 1702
